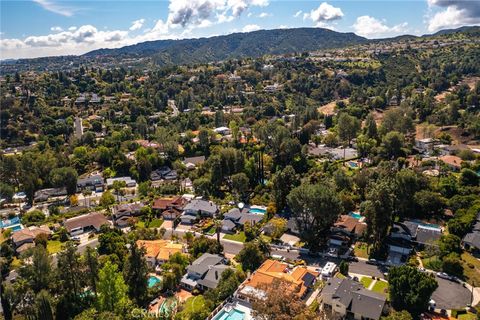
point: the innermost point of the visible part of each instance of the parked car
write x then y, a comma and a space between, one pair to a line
445, 276
372, 262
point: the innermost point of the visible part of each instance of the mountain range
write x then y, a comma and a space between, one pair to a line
202, 50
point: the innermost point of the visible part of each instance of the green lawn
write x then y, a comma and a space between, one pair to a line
140, 224
360, 250
54, 246
239, 236
210, 230
467, 316
193, 305
366, 281
380, 287
471, 268
155, 223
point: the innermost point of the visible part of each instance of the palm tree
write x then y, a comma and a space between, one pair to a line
218, 227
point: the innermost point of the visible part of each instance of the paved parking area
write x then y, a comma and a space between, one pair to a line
451, 295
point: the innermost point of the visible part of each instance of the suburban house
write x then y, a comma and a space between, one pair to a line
198, 208
424, 145
471, 241
348, 298
93, 183
350, 225
170, 208
399, 244
193, 162
421, 234
299, 279
24, 239
129, 182
205, 272
237, 218
85, 223
159, 251
122, 212
453, 162
164, 173
45, 194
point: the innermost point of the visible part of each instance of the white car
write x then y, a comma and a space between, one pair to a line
445, 276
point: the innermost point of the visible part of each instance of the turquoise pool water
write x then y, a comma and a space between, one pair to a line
353, 164
233, 314
153, 281
16, 228
257, 211
355, 215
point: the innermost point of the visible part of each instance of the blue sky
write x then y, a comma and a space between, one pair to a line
57, 27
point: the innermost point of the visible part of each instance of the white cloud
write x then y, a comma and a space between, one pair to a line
184, 18
371, 27
195, 12
325, 12
297, 14
137, 24
283, 26
55, 8
264, 15
56, 29
250, 28
456, 13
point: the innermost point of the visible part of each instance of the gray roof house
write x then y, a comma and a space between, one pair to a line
422, 234
348, 297
93, 182
198, 207
239, 218
205, 272
471, 241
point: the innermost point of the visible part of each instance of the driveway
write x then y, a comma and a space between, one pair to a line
451, 295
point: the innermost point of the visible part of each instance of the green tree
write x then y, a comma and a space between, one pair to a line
468, 177
65, 177
43, 306
250, 257
370, 126
203, 244
315, 208
343, 267
240, 184
378, 209
34, 217
452, 265
91, 263
410, 289
135, 274
283, 182
39, 272
348, 127
107, 199
398, 315
70, 274
112, 290
407, 183
429, 203
392, 145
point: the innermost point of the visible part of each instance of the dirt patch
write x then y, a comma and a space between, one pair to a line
329, 108
459, 135
469, 81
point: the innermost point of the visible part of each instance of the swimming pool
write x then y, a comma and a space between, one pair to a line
352, 164
257, 211
16, 227
355, 215
9, 222
233, 314
152, 281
